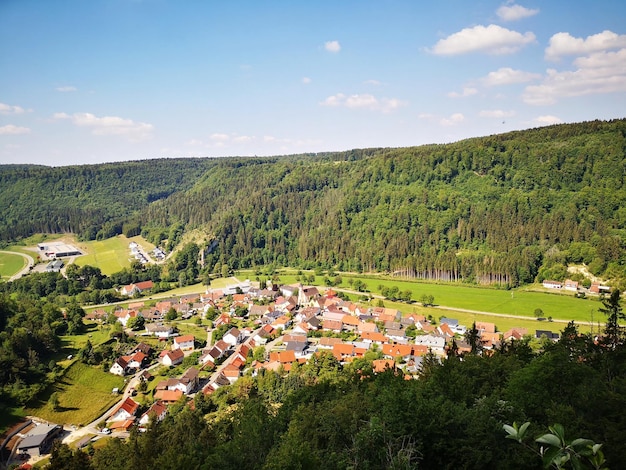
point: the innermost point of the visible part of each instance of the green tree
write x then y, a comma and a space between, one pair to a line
136, 323
53, 401
612, 308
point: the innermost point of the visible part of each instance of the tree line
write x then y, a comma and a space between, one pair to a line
506, 209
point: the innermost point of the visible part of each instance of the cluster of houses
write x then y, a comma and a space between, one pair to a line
137, 253
574, 286
292, 323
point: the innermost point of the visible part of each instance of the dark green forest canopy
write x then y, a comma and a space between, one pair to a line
506, 209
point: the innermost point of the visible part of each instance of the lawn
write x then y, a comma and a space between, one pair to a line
84, 394
10, 264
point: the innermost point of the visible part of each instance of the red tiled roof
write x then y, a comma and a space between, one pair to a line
184, 339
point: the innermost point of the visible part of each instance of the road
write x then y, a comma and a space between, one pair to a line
229, 359
92, 428
30, 262
505, 315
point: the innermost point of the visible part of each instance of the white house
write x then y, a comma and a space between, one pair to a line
173, 358
158, 410
232, 336
184, 343
126, 410
119, 366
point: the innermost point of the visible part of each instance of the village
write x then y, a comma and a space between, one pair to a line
270, 329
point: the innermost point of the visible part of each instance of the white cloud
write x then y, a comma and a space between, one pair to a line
217, 137
547, 120
453, 120
332, 46
10, 129
492, 39
602, 72
565, 44
109, 125
372, 82
515, 12
507, 76
467, 91
306, 80
363, 101
496, 113
9, 109
66, 89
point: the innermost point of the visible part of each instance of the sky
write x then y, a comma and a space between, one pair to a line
94, 81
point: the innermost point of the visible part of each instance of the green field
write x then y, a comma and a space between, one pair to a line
111, 255
84, 394
10, 264
559, 306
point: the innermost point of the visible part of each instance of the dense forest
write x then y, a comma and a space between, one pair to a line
323, 414
506, 209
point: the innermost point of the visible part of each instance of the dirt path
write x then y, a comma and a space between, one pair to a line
505, 315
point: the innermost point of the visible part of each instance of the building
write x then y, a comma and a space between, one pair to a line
39, 439
54, 266
55, 250
184, 343
125, 411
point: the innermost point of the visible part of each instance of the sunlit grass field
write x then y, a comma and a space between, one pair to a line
84, 394
110, 255
522, 302
10, 264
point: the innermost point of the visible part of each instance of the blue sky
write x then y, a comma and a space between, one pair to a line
91, 81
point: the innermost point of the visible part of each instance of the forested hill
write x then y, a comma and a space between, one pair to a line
505, 208
89, 200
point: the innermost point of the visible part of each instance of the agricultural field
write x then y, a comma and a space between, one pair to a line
84, 394
110, 255
10, 264
514, 302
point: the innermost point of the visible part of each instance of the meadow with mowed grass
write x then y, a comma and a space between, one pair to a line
110, 255
519, 302
11, 264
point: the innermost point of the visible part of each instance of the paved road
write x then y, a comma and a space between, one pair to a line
92, 428
229, 359
30, 262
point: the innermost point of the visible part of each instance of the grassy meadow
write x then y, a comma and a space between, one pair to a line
84, 394
110, 255
11, 264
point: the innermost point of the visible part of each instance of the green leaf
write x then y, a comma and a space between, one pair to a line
551, 455
511, 430
581, 443
558, 430
549, 439
522, 430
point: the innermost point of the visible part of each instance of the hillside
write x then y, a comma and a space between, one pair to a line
505, 209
